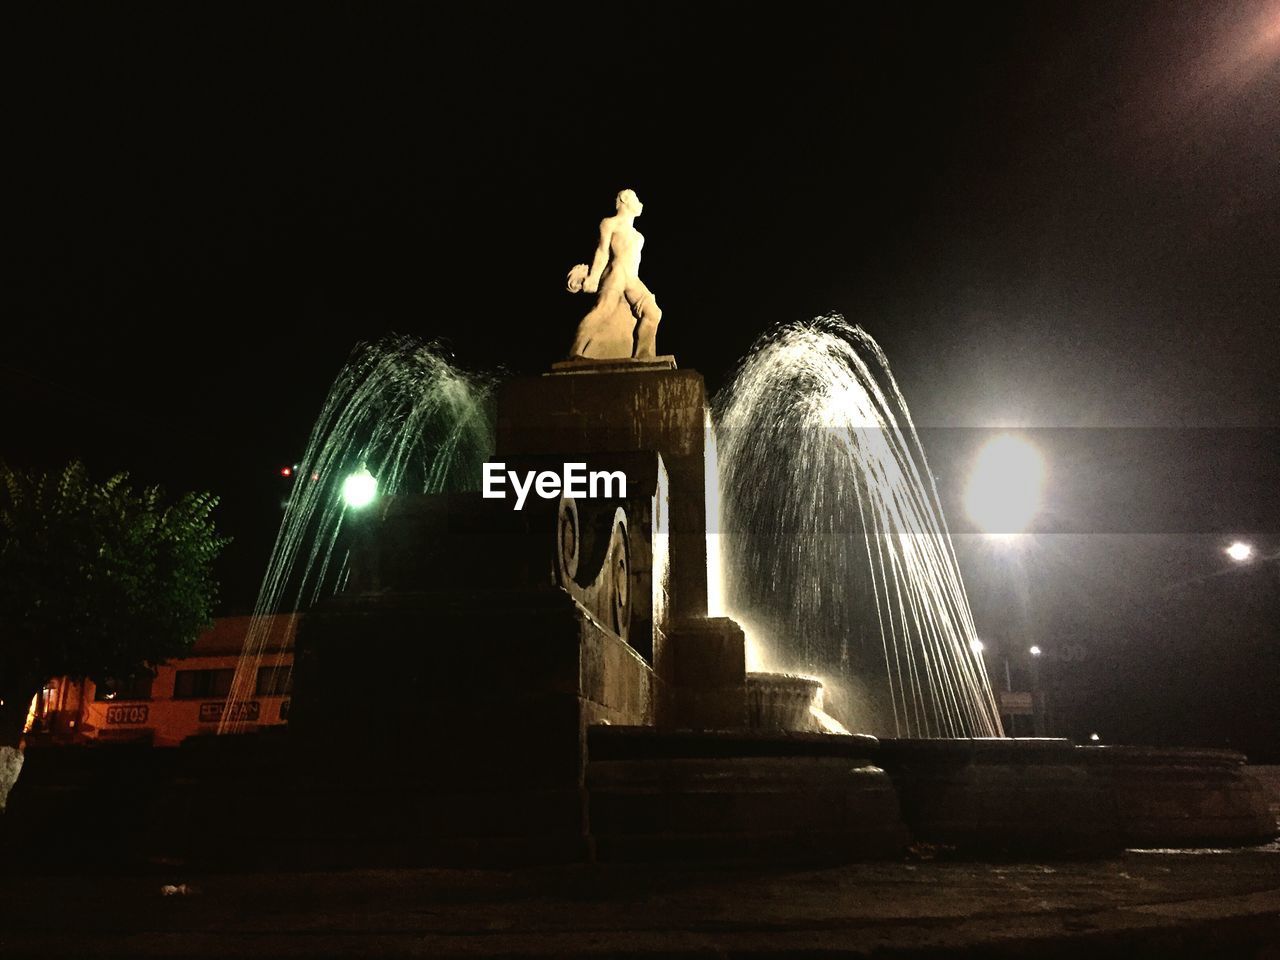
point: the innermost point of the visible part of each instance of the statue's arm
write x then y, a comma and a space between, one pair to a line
592, 283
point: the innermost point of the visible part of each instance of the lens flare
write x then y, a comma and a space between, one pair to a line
1004, 489
1240, 551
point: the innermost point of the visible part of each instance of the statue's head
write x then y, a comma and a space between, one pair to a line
628, 202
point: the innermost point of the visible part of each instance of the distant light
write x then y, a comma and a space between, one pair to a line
1003, 495
1094, 737
360, 488
1240, 551
976, 645
1035, 651
286, 471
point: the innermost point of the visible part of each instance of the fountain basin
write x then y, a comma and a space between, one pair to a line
783, 701
739, 795
1182, 798
1001, 797
1048, 797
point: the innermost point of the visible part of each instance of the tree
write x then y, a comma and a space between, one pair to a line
96, 580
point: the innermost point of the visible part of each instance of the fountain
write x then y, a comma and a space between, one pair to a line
560, 682
835, 536
399, 407
476, 683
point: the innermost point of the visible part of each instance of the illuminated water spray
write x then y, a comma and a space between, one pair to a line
837, 554
828, 543
399, 418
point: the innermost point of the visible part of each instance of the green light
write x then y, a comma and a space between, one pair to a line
360, 488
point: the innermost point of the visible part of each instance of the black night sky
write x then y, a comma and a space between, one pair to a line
1050, 215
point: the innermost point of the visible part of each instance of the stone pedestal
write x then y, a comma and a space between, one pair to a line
586, 407
614, 364
452, 726
704, 670
427, 673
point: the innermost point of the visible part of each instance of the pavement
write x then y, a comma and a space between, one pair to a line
1153, 903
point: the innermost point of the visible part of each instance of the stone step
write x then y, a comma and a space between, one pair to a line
638, 743
807, 847
743, 808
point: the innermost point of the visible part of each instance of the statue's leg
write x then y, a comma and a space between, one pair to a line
582, 337
594, 328
649, 314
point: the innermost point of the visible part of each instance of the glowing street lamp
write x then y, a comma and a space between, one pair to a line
1035, 651
1003, 495
359, 489
1240, 551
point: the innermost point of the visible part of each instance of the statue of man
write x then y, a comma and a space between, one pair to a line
623, 300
